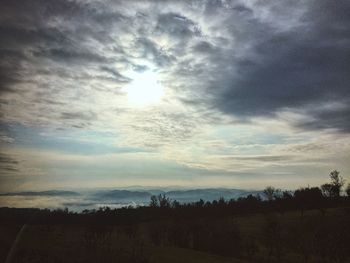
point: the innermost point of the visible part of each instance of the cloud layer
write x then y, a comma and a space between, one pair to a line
247, 83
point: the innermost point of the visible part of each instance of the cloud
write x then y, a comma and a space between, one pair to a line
266, 158
246, 80
177, 26
8, 164
71, 56
248, 59
7, 160
334, 118
6, 139
118, 76
149, 50
292, 68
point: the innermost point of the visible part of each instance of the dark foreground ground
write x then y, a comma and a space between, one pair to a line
293, 236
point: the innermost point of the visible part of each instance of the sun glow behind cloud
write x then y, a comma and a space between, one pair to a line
221, 88
144, 90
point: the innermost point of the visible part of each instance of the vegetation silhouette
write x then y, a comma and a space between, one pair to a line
307, 225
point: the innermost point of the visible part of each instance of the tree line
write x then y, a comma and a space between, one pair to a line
160, 207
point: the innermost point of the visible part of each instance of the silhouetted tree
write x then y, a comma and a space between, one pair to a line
333, 189
308, 198
309, 194
348, 190
326, 190
164, 202
337, 181
287, 195
154, 201
175, 204
200, 203
271, 192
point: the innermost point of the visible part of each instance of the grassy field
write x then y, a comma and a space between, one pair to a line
66, 244
72, 243
175, 255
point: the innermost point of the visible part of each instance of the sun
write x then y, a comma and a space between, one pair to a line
145, 89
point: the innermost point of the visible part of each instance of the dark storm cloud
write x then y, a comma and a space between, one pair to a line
289, 75
328, 119
307, 64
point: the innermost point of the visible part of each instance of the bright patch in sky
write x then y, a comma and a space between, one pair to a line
144, 90
160, 93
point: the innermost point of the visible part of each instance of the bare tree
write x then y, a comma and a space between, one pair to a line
163, 201
160, 201
337, 181
154, 201
270, 192
333, 189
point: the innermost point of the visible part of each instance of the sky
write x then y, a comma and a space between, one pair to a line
238, 94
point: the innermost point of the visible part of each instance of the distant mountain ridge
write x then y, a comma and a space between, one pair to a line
93, 199
207, 194
121, 194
